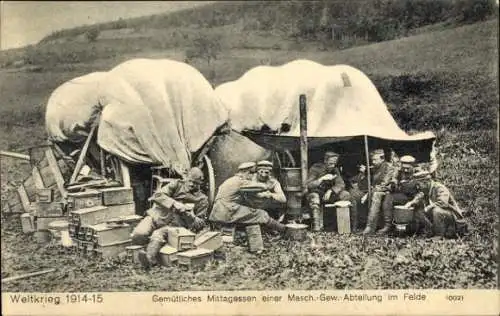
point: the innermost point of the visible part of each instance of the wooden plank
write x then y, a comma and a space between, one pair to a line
24, 198
14, 155
55, 170
27, 275
83, 154
37, 178
125, 175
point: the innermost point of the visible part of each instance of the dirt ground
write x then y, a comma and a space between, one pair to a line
323, 261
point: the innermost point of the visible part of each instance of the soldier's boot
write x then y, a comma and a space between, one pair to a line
387, 211
373, 213
149, 257
274, 225
317, 218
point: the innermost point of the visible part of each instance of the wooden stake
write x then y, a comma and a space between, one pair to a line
303, 142
27, 275
83, 154
14, 155
368, 173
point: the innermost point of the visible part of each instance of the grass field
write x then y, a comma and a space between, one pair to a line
453, 76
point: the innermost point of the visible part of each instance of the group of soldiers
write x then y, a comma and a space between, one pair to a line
253, 195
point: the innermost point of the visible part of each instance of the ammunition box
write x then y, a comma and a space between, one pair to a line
168, 255
82, 200
209, 240
44, 195
53, 209
98, 214
117, 196
103, 233
195, 258
180, 238
113, 249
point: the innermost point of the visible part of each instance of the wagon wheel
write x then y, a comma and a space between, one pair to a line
284, 159
209, 173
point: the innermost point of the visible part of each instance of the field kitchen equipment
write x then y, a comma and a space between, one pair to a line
403, 218
296, 231
292, 187
168, 255
195, 257
180, 238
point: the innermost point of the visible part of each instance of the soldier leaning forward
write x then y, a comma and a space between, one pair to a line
436, 206
171, 208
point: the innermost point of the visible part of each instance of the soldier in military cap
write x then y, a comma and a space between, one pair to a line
231, 205
180, 203
436, 208
273, 199
382, 180
405, 188
325, 184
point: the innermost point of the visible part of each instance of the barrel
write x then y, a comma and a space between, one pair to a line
402, 214
291, 179
254, 235
296, 232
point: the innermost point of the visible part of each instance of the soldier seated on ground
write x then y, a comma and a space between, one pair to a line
436, 207
273, 199
326, 186
231, 207
405, 189
180, 203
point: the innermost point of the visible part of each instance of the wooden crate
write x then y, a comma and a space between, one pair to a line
99, 214
42, 223
168, 255
45, 195
113, 249
48, 209
180, 238
83, 200
209, 240
104, 233
195, 257
117, 196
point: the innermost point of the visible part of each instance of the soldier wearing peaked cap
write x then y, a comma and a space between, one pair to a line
325, 184
231, 205
273, 199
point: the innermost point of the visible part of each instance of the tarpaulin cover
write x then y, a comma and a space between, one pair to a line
153, 111
342, 102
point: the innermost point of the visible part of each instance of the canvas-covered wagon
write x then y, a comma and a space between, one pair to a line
343, 111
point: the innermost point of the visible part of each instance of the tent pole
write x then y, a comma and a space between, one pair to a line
368, 173
83, 154
303, 142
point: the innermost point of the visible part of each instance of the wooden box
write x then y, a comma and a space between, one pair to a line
44, 195
131, 220
180, 238
103, 233
85, 199
117, 196
209, 240
195, 257
52, 209
168, 255
99, 214
113, 249
27, 223
42, 223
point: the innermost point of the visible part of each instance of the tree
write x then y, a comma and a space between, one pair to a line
205, 47
92, 34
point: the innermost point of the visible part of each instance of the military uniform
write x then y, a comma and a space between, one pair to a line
163, 215
277, 200
436, 202
318, 189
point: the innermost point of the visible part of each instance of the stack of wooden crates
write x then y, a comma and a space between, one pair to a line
101, 220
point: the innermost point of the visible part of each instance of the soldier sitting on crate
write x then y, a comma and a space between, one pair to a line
382, 182
325, 184
436, 208
405, 189
273, 199
171, 209
231, 206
